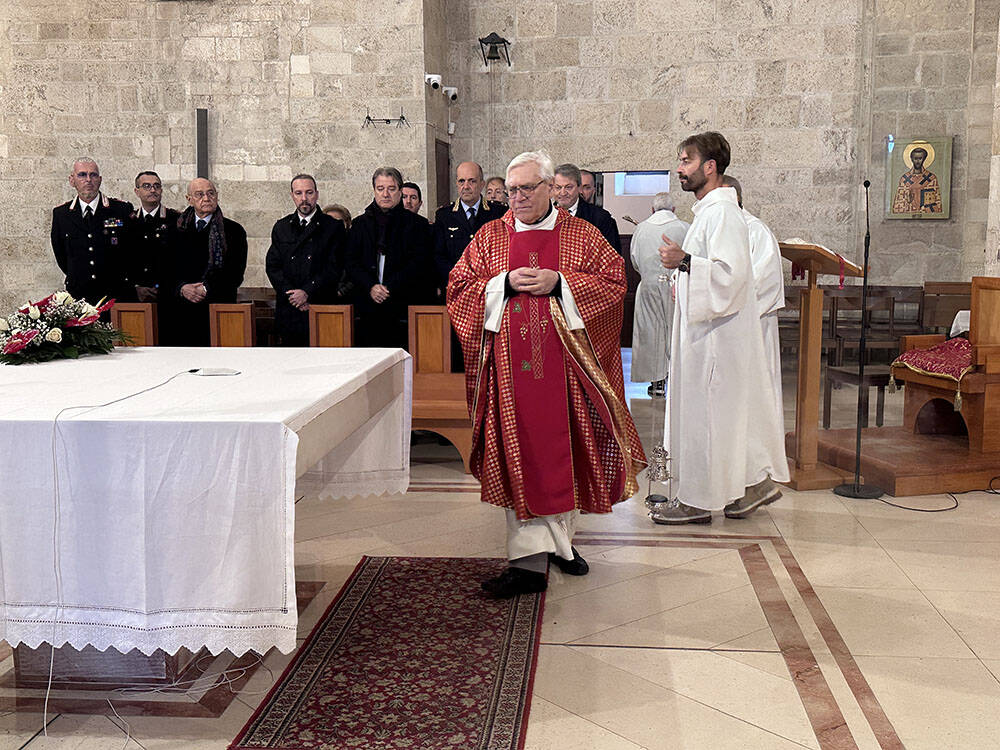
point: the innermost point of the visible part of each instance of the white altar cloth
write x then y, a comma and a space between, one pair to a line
171, 523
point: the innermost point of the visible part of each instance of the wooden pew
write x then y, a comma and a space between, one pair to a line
980, 388
231, 324
439, 403
331, 325
138, 320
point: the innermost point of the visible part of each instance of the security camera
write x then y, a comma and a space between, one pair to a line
432, 80
451, 92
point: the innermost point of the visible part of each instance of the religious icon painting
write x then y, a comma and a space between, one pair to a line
918, 178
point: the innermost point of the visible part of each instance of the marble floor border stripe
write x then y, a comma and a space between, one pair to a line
883, 729
633, 535
821, 706
822, 709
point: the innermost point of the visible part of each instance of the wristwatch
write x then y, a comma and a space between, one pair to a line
685, 265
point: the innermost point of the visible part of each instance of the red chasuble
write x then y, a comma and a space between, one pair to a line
551, 431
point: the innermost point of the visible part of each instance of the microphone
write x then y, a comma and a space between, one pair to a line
867, 184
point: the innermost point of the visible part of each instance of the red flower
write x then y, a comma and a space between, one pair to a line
106, 306
80, 322
18, 341
43, 304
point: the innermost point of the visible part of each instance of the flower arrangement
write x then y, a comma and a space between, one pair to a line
57, 327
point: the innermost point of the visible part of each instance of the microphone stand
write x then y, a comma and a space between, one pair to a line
857, 489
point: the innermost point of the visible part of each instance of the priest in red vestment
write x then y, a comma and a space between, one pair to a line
536, 300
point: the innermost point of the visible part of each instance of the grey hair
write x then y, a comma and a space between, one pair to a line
663, 202
571, 171
85, 160
388, 172
546, 167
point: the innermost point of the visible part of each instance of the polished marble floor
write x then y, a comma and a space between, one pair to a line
819, 622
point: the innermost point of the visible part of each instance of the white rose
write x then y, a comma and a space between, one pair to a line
63, 298
54, 335
34, 313
4, 326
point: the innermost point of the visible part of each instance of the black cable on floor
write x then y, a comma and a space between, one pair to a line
990, 489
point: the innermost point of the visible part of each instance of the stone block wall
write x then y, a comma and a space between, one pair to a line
806, 92
287, 86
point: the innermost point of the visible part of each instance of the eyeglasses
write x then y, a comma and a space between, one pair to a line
150, 186
204, 194
523, 190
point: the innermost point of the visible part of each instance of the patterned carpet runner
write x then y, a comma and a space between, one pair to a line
410, 655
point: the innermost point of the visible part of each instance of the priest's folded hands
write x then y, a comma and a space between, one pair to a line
534, 281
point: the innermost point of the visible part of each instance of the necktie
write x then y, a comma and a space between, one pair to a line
87, 213
472, 213
303, 223
202, 223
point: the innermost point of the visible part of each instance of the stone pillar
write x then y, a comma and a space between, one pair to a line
991, 264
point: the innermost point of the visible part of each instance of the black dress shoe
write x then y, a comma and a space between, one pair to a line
575, 567
514, 581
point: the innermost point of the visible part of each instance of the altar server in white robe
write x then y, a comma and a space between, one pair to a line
721, 430
654, 307
769, 285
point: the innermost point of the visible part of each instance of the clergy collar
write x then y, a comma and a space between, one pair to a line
546, 222
662, 216
718, 195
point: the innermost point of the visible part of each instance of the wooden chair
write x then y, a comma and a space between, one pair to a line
262, 298
439, 403
231, 324
138, 320
942, 300
331, 325
980, 388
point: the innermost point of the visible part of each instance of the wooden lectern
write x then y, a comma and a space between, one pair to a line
138, 320
807, 473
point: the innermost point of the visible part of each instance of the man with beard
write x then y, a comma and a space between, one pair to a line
536, 299
206, 263
304, 262
149, 228
722, 436
566, 192
88, 234
386, 258
455, 224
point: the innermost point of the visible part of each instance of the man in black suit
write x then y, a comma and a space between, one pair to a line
149, 228
386, 257
88, 237
455, 224
588, 185
566, 192
206, 263
304, 262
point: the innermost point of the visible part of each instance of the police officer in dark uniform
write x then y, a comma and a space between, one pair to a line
88, 237
456, 223
148, 238
305, 261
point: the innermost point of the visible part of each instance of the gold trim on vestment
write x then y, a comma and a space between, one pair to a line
579, 346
